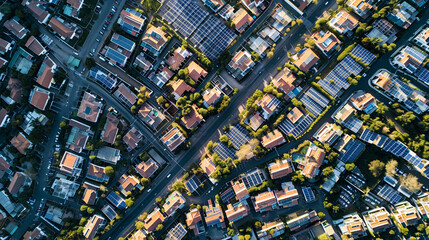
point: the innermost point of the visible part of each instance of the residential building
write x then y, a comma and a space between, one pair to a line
406, 214
35, 46
14, 209
36, 234
179, 88
193, 183
96, 173
273, 139
146, 169
213, 215
178, 232
403, 15
288, 196
286, 81
21, 143
214, 5
226, 12
422, 39
90, 108
343, 22
5, 46
240, 190
4, 117
383, 80
173, 138
196, 72
151, 115
241, 64
71, 164
326, 41
253, 177
139, 235
364, 102
270, 34
313, 160
3, 62
377, 220
4, 166
422, 205
241, 20
271, 230
282, 18
208, 166
254, 121
254, 6
410, 59
298, 220
302, 4
305, 59
237, 211
119, 50
125, 95
153, 220
193, 119
39, 98
63, 188
161, 77
259, 46
265, 201
15, 28
211, 96
32, 119
269, 105
383, 30
194, 221
92, 226
109, 155
18, 182
328, 133
116, 200
353, 226
294, 115
154, 40
45, 76
78, 137
142, 63
75, 5
58, 26
132, 138
173, 202
37, 10
280, 168
110, 129
128, 183
90, 194
361, 7
420, 3
179, 56
131, 21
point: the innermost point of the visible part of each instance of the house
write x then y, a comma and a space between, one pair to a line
127, 183
302, 4
403, 15
178, 232
196, 72
422, 39
285, 80
294, 115
96, 173
241, 20
71, 164
151, 115
153, 220
194, 221
15, 28
37, 10
36, 234
173, 202
19, 181
305, 59
265, 201
273, 139
281, 19
146, 169
89, 108
193, 119
132, 138
422, 205
383, 30
237, 211
377, 220
270, 34
299, 221
313, 160
328, 133
4, 166
211, 96
213, 215
255, 6
154, 40
180, 87
125, 95
79, 135
139, 235
420, 3
271, 230
119, 50
131, 21
176, 60
35, 46
5, 46
383, 80
59, 27
253, 178
240, 190
39, 98
116, 200
193, 183
4, 117
142, 63
75, 5
173, 138
109, 155
326, 42
406, 214
269, 104
353, 226
288, 196
32, 119
3, 62
280, 168
92, 226
21, 143
410, 59
226, 12
241, 64
364, 102
344, 22
90, 194
255, 121
361, 7
110, 129
45, 77
208, 166
161, 76
14, 209
259, 46
214, 5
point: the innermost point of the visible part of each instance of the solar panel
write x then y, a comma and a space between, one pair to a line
223, 152
102, 78
354, 124
193, 183
317, 97
389, 194
116, 56
308, 194
109, 212
238, 136
116, 200
253, 178
311, 105
363, 54
227, 195
204, 30
423, 75
419, 56
351, 65
353, 150
123, 42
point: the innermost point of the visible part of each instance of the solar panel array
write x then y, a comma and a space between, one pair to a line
389, 194
363, 54
218, 40
253, 178
223, 152
193, 183
419, 56
347, 196
102, 78
353, 149
238, 136
183, 15
314, 101
354, 124
308, 194
414, 159
116, 200
204, 30
116, 56
423, 75
109, 212
123, 42
287, 127
227, 195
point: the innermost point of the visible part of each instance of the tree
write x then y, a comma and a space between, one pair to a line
63, 124
258, 225
321, 215
90, 210
376, 167
144, 182
404, 231
270, 54
411, 182
391, 232
328, 171
335, 209
391, 167
83, 208
129, 202
323, 237
381, 108
298, 178
90, 62
159, 227
350, 166
109, 171
230, 231
139, 225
